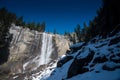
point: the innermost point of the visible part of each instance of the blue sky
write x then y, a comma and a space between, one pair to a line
59, 15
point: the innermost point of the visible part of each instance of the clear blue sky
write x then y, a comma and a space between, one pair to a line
62, 15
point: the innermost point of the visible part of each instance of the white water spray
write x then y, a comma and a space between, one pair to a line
46, 49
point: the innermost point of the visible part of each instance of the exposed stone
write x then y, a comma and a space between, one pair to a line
109, 68
64, 60
93, 40
62, 44
116, 60
97, 71
77, 46
118, 54
100, 59
78, 65
93, 64
114, 41
100, 45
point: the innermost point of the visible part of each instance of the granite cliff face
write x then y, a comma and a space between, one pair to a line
31, 50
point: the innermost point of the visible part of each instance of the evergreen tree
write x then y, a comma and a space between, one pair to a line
84, 28
66, 33
77, 31
84, 32
38, 27
20, 22
54, 32
31, 25
43, 27
6, 18
108, 17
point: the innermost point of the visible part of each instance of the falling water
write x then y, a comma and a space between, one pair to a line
44, 54
46, 49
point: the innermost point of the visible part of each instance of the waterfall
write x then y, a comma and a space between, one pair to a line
46, 49
44, 54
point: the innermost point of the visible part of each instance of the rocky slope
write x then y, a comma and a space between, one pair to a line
31, 51
99, 59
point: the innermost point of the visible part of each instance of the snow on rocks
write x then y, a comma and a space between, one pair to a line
78, 45
98, 59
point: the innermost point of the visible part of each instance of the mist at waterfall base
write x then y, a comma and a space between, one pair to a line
59, 15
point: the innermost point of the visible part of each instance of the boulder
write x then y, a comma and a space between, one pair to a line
114, 41
62, 61
78, 66
77, 46
110, 66
100, 59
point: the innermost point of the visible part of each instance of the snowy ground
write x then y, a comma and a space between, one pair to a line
101, 48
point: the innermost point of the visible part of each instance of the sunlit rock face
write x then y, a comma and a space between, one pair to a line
31, 49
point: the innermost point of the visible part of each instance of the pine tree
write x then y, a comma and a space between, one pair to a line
31, 25
43, 27
108, 17
77, 31
19, 21
38, 27
6, 18
54, 32
84, 32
